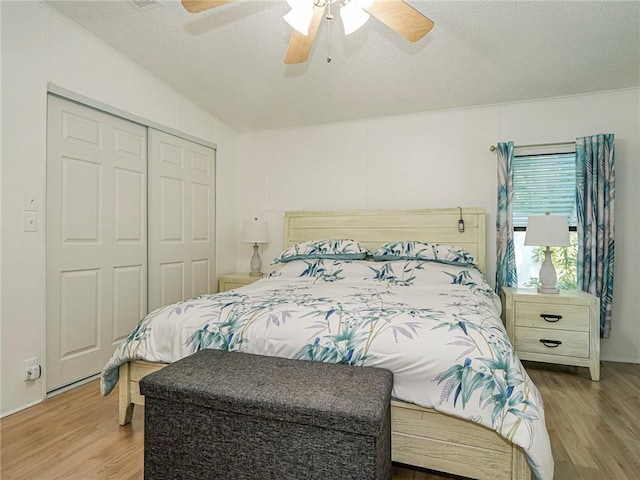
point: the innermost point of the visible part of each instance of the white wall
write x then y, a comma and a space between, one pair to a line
443, 160
39, 46
0, 206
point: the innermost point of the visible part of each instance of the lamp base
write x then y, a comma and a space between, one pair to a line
256, 262
548, 290
548, 277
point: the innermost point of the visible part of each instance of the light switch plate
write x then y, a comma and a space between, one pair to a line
30, 221
30, 202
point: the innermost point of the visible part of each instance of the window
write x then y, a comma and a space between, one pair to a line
544, 182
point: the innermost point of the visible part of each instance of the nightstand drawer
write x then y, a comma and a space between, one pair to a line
225, 286
554, 342
558, 317
235, 280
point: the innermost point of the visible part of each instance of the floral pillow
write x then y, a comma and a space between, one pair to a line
340, 249
435, 252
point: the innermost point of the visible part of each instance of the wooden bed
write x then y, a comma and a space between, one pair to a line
421, 437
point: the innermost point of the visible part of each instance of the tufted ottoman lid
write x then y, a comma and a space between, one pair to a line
333, 396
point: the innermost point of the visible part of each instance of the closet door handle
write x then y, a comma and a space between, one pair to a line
550, 343
550, 318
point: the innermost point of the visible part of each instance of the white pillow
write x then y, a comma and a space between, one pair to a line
340, 249
435, 252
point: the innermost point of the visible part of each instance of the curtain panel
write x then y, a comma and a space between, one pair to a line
506, 274
595, 181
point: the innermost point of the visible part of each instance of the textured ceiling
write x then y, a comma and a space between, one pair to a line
229, 59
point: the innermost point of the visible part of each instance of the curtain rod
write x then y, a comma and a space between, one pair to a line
493, 147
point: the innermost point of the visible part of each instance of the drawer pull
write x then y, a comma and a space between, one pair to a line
550, 343
550, 318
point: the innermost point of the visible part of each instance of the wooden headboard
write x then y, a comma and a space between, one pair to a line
375, 227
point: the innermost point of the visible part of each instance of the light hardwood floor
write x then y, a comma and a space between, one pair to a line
594, 429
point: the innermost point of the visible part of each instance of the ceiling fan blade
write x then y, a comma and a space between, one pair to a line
195, 6
300, 45
401, 17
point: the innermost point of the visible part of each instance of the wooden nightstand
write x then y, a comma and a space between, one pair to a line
559, 328
235, 280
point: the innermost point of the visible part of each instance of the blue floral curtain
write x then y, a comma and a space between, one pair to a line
595, 179
506, 274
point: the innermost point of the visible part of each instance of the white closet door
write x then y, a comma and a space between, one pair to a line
96, 237
181, 219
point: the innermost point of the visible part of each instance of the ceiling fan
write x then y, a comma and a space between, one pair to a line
306, 15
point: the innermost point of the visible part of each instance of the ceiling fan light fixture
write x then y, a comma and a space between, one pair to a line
300, 15
353, 16
299, 3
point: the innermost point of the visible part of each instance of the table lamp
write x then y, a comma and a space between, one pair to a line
547, 231
256, 232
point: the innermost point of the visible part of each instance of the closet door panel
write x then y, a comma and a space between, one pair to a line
171, 212
129, 299
181, 226
200, 277
200, 212
129, 206
171, 283
96, 224
80, 317
80, 215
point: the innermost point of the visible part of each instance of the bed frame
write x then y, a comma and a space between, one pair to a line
421, 437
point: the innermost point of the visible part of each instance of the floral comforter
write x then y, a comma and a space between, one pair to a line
435, 326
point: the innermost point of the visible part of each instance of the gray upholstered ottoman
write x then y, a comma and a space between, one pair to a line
232, 415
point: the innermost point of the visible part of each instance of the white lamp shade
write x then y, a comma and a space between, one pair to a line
254, 231
353, 17
300, 15
547, 230
300, 3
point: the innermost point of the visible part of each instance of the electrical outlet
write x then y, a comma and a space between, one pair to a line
31, 369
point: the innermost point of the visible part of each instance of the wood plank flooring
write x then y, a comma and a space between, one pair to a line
594, 429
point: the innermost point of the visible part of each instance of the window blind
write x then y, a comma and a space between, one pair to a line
544, 183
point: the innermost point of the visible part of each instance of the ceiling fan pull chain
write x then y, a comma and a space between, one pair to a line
329, 18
